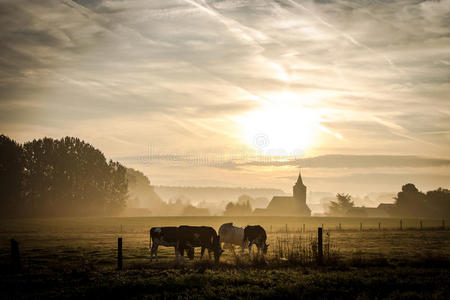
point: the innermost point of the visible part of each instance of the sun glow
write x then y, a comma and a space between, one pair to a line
282, 127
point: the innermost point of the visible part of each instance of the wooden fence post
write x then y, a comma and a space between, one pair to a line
340, 227
421, 225
286, 229
270, 228
360, 226
304, 228
119, 254
379, 225
443, 224
15, 255
401, 224
319, 246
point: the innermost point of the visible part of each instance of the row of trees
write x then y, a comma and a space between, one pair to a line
410, 202
49, 177
241, 208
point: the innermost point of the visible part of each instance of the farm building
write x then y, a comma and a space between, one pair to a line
383, 210
287, 206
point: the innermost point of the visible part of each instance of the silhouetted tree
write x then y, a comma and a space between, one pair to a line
410, 202
241, 208
70, 177
142, 193
438, 202
244, 199
11, 176
342, 205
117, 188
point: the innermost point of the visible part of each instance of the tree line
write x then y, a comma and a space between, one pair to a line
65, 177
410, 202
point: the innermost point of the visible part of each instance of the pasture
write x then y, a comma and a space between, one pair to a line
72, 257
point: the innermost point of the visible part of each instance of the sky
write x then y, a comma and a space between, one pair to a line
237, 93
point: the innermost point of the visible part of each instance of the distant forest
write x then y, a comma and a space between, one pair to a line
65, 177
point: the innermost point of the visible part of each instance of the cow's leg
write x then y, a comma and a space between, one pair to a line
177, 252
151, 252
250, 248
177, 256
181, 252
154, 251
182, 255
209, 253
202, 252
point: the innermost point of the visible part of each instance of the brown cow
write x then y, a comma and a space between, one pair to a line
199, 236
256, 235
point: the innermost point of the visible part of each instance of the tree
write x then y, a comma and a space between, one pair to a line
241, 208
142, 193
11, 176
117, 189
410, 202
342, 205
70, 177
244, 199
438, 202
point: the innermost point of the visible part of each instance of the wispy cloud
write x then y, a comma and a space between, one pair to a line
178, 73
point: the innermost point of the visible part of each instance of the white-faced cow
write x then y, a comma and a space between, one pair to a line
165, 236
231, 235
199, 236
256, 235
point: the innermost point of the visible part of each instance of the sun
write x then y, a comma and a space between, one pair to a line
282, 128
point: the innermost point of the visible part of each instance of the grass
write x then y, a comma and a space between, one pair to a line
73, 258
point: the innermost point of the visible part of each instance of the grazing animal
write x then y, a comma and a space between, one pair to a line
165, 236
199, 236
232, 235
256, 235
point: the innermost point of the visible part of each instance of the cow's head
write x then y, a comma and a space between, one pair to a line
264, 248
217, 248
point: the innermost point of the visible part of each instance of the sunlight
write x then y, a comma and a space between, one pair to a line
281, 127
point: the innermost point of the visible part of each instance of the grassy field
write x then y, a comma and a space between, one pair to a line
75, 257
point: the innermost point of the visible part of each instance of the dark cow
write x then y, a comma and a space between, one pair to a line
199, 236
165, 236
255, 235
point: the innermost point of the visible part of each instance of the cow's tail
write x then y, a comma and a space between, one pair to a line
150, 241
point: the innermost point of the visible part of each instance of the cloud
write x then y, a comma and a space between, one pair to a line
230, 161
176, 73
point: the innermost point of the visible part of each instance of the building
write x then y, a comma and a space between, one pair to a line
288, 206
384, 210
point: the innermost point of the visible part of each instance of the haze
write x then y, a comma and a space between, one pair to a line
237, 93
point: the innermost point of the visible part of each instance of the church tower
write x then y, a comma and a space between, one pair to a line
300, 190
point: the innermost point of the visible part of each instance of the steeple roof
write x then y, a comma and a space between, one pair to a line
299, 180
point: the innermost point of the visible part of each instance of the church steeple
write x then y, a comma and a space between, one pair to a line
299, 180
300, 189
